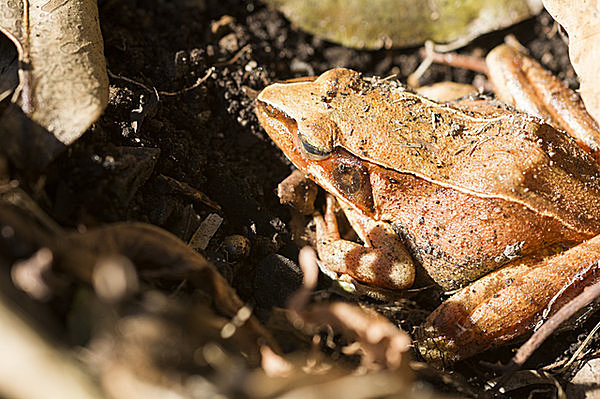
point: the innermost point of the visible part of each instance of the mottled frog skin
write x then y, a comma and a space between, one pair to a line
465, 186
468, 186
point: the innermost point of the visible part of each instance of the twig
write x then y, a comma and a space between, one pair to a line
235, 57
413, 78
580, 349
526, 350
438, 54
472, 63
135, 82
156, 92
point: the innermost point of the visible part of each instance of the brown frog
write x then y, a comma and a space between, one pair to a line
462, 188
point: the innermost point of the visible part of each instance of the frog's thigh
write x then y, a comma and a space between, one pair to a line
382, 261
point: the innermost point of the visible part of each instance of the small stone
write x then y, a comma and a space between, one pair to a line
236, 247
229, 43
277, 277
250, 66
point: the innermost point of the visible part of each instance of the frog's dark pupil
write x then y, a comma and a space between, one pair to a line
347, 179
311, 150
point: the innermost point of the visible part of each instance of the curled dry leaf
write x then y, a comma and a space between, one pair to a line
156, 254
163, 342
581, 19
63, 81
380, 343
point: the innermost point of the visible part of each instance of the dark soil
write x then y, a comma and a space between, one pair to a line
208, 136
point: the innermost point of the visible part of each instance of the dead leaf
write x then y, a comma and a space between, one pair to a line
581, 20
380, 343
63, 84
402, 23
9, 68
586, 383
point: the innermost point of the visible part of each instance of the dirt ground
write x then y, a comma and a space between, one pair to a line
164, 140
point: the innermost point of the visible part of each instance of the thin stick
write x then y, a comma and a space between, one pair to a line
526, 350
209, 71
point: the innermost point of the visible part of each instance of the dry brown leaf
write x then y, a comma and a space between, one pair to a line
586, 383
581, 19
402, 23
63, 81
9, 68
380, 343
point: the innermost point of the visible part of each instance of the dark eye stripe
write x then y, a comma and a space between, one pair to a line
311, 151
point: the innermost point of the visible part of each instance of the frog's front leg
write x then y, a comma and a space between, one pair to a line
382, 261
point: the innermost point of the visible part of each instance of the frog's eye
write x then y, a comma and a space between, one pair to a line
312, 151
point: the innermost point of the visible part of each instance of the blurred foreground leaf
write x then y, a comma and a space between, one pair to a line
31, 367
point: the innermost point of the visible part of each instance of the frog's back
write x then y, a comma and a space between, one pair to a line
485, 150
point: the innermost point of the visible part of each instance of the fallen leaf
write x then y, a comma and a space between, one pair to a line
63, 85
581, 20
402, 23
380, 343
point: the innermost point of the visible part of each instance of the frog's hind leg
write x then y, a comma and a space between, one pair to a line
521, 81
382, 261
510, 68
